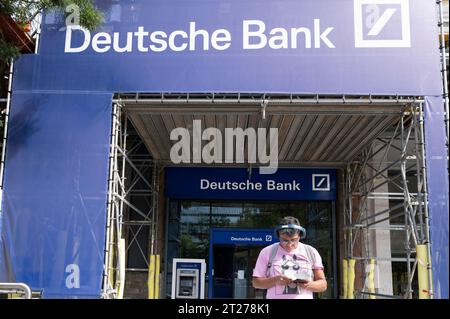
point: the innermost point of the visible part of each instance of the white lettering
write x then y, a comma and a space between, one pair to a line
240, 135
172, 45
197, 141
73, 279
140, 34
158, 37
204, 184
74, 17
294, 34
278, 186
101, 38
279, 35
212, 151
259, 34
128, 46
254, 37
182, 145
193, 35
87, 38
272, 159
321, 36
221, 35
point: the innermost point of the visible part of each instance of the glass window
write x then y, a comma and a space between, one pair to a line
226, 214
194, 229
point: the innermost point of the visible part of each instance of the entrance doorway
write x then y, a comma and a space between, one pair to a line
232, 257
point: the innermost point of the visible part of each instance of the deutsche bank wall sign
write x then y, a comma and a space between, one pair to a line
275, 46
372, 19
240, 183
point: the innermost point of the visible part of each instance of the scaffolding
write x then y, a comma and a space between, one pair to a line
131, 174
382, 173
400, 150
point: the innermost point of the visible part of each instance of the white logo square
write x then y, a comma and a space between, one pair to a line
321, 182
383, 20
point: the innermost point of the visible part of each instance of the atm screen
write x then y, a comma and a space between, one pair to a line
186, 281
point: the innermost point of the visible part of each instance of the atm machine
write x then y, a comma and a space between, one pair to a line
188, 278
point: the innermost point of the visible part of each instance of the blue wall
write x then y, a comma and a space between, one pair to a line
54, 203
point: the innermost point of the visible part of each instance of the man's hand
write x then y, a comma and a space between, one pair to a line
304, 284
282, 280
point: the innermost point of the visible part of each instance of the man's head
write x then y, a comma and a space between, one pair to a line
290, 226
290, 232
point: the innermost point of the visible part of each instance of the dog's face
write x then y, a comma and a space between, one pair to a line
290, 265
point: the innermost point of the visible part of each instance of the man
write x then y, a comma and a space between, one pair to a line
289, 269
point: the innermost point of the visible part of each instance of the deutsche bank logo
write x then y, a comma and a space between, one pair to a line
382, 24
268, 238
321, 182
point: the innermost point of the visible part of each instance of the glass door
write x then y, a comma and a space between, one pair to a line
244, 260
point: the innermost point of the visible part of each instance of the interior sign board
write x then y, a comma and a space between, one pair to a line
240, 183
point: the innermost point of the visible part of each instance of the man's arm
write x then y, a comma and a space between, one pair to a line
266, 283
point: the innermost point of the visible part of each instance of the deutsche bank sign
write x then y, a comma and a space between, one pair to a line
371, 18
240, 183
273, 46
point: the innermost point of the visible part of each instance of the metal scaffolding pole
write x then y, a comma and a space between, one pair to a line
154, 209
423, 198
108, 290
441, 23
403, 145
5, 129
256, 99
404, 153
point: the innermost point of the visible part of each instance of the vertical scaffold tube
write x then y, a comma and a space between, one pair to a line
151, 278
344, 278
422, 271
157, 261
371, 278
351, 279
121, 262
107, 275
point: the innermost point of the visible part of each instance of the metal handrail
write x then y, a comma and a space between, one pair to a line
13, 287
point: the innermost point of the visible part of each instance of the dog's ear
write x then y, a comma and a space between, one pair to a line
284, 257
295, 257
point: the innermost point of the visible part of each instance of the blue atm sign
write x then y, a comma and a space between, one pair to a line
241, 184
